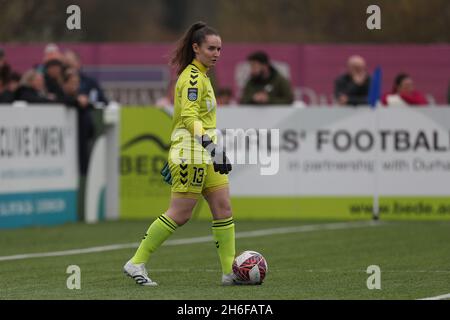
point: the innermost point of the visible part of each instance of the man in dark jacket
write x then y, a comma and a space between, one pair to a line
88, 86
352, 88
5, 68
266, 85
54, 70
86, 130
9, 88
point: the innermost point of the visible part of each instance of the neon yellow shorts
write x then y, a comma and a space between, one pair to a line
191, 180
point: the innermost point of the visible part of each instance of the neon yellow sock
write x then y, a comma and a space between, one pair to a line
161, 229
223, 233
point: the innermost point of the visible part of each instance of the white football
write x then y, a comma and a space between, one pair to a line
250, 266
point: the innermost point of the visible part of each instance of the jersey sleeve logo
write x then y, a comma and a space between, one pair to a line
192, 94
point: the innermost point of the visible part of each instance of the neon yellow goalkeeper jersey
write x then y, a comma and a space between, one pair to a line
195, 103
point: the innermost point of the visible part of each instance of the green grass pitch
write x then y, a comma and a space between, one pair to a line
414, 258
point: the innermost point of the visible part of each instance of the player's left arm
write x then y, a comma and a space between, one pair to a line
190, 107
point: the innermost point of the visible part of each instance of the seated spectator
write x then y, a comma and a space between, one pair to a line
88, 86
52, 52
166, 101
224, 97
86, 130
403, 93
5, 68
352, 88
8, 93
3, 97
266, 85
448, 94
14, 81
53, 75
32, 88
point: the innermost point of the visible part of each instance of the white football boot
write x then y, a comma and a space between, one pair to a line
231, 280
138, 273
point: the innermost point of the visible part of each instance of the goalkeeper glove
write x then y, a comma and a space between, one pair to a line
165, 172
219, 158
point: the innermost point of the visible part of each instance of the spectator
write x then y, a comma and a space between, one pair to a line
88, 86
352, 88
32, 88
53, 75
403, 93
448, 94
224, 97
3, 97
8, 93
266, 85
166, 101
14, 81
86, 130
52, 52
5, 68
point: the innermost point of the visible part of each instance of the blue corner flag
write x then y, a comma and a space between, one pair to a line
375, 88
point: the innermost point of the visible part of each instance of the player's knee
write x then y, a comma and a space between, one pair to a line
182, 220
226, 210
180, 216
223, 210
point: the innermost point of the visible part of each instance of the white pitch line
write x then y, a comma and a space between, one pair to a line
441, 297
176, 242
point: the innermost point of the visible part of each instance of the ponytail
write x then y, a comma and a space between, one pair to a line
183, 54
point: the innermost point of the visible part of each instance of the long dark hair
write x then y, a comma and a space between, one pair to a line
398, 81
183, 54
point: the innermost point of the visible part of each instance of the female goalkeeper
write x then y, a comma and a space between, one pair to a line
196, 166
